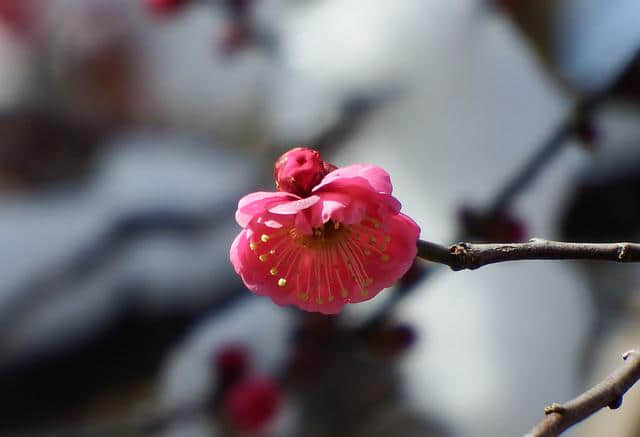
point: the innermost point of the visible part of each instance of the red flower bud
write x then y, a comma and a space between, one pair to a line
252, 403
299, 170
236, 36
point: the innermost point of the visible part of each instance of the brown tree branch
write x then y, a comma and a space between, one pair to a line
470, 256
608, 393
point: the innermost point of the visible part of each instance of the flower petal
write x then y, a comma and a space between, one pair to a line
322, 273
295, 206
366, 176
400, 252
254, 204
339, 207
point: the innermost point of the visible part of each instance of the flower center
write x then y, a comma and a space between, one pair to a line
336, 260
330, 234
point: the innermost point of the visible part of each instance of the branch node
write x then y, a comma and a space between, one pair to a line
623, 251
459, 248
463, 255
627, 354
554, 408
617, 403
607, 393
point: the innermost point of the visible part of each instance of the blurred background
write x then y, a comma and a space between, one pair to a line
129, 129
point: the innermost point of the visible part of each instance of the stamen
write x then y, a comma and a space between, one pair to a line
375, 222
327, 263
296, 255
331, 261
354, 265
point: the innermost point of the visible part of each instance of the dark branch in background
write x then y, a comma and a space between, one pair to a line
608, 393
470, 256
97, 254
546, 153
580, 114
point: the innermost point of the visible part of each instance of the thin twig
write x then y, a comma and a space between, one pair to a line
470, 256
608, 393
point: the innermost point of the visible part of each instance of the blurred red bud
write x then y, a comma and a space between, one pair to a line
165, 6
252, 403
390, 340
17, 16
236, 36
501, 227
232, 364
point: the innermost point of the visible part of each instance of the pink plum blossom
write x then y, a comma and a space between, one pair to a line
339, 238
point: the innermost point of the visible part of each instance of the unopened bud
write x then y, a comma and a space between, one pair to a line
299, 170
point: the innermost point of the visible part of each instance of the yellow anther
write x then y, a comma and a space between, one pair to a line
344, 292
282, 282
364, 292
253, 245
319, 301
303, 297
385, 257
263, 257
264, 238
273, 271
272, 251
